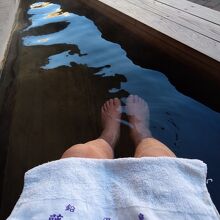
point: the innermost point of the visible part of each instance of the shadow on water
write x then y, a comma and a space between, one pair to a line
65, 70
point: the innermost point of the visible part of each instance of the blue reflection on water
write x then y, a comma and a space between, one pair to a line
176, 119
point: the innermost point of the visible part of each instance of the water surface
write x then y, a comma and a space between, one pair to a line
65, 72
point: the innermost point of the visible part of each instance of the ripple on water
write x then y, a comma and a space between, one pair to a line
176, 119
153, 86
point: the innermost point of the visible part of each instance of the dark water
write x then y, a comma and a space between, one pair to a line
66, 70
171, 112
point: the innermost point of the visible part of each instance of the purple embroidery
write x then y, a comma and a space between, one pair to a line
70, 208
141, 216
55, 217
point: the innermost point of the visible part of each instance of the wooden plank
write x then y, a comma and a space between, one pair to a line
201, 2
8, 11
213, 4
217, 7
194, 9
190, 21
197, 33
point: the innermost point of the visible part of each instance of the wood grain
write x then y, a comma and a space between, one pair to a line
214, 4
199, 33
195, 9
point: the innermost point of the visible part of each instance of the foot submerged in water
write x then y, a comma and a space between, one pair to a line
111, 115
138, 115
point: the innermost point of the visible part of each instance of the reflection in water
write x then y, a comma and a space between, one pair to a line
40, 5
63, 77
173, 115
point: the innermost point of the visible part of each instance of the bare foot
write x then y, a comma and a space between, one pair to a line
111, 115
138, 114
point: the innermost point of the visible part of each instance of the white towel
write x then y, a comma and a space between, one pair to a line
122, 189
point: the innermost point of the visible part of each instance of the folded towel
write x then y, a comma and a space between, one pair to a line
121, 189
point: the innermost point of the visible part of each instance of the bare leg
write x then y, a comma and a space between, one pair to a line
146, 145
103, 147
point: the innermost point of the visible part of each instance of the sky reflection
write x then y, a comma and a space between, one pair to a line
175, 113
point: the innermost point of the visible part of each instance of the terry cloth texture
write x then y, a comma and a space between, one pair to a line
122, 189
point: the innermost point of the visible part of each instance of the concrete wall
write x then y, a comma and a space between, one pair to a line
8, 9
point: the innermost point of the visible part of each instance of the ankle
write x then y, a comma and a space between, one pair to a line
138, 137
109, 137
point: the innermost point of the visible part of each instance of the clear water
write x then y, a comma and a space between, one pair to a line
173, 115
188, 127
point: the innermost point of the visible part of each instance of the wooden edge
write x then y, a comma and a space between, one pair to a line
189, 34
192, 8
159, 40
